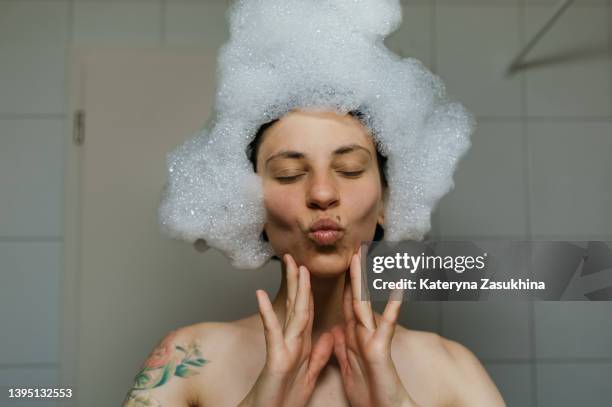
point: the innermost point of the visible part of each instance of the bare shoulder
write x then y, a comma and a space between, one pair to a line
163, 377
228, 347
223, 338
453, 369
184, 361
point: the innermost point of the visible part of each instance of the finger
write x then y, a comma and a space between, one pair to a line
320, 354
272, 328
346, 355
388, 320
291, 274
299, 318
349, 317
362, 308
308, 332
340, 350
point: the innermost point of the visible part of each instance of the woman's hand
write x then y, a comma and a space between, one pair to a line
292, 367
363, 349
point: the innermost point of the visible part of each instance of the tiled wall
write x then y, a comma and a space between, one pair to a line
540, 167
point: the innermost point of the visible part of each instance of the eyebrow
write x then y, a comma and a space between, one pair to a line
339, 151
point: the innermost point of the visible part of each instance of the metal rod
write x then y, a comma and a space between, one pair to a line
559, 10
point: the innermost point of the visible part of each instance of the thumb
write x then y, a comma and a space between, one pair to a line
320, 354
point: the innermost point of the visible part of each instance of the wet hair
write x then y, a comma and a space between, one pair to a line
381, 160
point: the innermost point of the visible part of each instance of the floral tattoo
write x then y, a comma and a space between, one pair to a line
165, 361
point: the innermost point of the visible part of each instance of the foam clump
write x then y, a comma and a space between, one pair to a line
322, 55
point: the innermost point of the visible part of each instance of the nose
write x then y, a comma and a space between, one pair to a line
322, 193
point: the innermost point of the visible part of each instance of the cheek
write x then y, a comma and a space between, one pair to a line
362, 203
362, 209
281, 207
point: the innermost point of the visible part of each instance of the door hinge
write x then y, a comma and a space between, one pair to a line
78, 129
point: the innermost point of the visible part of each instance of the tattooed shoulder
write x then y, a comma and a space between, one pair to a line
171, 358
140, 399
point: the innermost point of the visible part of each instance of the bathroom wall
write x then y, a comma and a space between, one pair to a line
540, 168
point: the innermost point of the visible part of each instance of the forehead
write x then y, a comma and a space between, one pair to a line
315, 131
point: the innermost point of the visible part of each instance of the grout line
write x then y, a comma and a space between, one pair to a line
510, 3
62, 116
36, 116
33, 365
162, 21
63, 369
609, 27
434, 36
548, 361
403, 2
534, 360
433, 50
522, 23
433, 61
31, 239
70, 28
98, 1
566, 119
521, 238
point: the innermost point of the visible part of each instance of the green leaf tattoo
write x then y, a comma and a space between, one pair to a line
165, 361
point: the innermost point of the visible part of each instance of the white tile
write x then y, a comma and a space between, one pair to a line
506, 2
111, 23
513, 380
479, 2
570, 71
573, 329
29, 301
42, 377
33, 39
492, 330
489, 183
554, 2
32, 403
31, 177
474, 47
197, 24
570, 179
413, 38
574, 385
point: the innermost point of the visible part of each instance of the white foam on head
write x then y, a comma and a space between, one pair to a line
326, 55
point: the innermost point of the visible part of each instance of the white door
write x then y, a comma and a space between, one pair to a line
125, 284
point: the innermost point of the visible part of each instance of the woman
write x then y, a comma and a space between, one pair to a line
319, 182
315, 343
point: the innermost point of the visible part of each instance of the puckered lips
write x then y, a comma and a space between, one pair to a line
325, 232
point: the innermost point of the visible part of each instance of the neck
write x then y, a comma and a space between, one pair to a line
327, 295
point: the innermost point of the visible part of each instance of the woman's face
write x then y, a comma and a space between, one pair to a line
319, 165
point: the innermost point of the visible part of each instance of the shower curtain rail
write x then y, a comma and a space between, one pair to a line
558, 12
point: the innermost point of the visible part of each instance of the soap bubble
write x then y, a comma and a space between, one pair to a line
323, 55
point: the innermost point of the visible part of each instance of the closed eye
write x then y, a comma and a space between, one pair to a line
289, 179
352, 173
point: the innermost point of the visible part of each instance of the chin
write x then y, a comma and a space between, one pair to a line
331, 264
